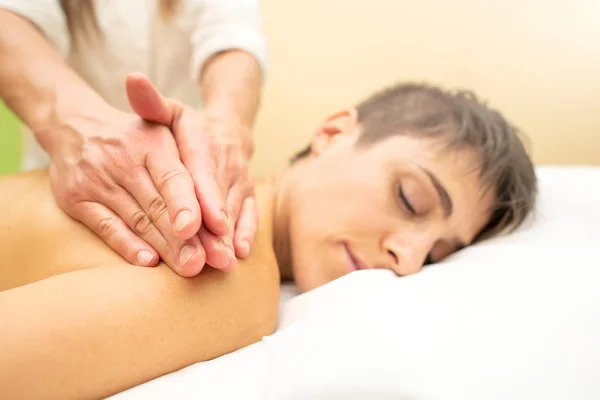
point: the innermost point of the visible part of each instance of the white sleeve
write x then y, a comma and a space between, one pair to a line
225, 25
47, 15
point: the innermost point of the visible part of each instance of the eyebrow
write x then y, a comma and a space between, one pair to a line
441, 191
446, 203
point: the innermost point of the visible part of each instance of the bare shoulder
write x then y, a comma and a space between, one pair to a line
141, 322
39, 240
265, 199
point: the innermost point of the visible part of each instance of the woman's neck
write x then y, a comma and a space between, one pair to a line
274, 192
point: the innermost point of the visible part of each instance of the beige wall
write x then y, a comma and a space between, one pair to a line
538, 61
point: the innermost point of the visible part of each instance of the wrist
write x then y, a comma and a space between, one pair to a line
65, 124
230, 83
242, 129
224, 110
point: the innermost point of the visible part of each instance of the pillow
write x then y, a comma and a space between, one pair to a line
516, 317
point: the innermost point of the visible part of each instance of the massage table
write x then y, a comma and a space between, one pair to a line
515, 317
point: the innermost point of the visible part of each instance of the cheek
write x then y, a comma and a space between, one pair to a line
343, 207
356, 211
337, 198
440, 250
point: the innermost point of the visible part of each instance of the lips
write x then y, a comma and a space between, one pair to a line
354, 260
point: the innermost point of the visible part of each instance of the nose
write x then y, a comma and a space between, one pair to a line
406, 254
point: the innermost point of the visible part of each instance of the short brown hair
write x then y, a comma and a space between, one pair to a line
461, 120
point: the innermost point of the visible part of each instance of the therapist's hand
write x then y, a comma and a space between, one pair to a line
216, 150
122, 177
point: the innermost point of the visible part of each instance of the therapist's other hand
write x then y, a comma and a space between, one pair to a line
216, 150
122, 177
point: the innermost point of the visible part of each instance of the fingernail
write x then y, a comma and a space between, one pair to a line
231, 254
186, 253
232, 261
183, 220
245, 248
225, 219
144, 257
226, 262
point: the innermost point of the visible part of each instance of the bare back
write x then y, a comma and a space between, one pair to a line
86, 323
37, 239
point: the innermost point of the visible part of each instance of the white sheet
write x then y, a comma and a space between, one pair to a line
517, 317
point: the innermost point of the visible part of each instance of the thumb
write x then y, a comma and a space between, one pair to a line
147, 102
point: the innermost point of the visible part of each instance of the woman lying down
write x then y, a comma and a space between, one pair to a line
407, 177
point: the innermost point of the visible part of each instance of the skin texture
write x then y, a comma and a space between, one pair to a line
84, 323
230, 162
156, 208
346, 200
81, 322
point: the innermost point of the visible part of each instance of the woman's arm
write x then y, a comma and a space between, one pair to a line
95, 332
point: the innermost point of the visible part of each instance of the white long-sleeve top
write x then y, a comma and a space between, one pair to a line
136, 39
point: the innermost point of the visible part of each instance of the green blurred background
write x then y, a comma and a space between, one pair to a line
10, 141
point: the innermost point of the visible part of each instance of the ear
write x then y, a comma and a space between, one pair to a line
340, 125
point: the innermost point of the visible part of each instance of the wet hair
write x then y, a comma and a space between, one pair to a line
459, 120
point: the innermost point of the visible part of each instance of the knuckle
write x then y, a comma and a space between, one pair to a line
134, 174
215, 146
157, 208
167, 178
236, 168
106, 228
69, 190
246, 188
95, 178
105, 184
70, 195
233, 210
141, 223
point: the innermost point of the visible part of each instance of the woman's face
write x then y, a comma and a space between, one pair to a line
395, 204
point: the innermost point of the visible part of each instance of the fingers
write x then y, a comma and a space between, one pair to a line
170, 176
110, 228
192, 250
167, 171
175, 186
241, 208
125, 206
148, 216
219, 253
246, 227
210, 194
126, 242
147, 102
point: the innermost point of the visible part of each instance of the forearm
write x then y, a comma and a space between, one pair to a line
36, 83
95, 332
230, 85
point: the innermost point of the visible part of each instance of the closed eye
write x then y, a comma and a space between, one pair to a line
406, 202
